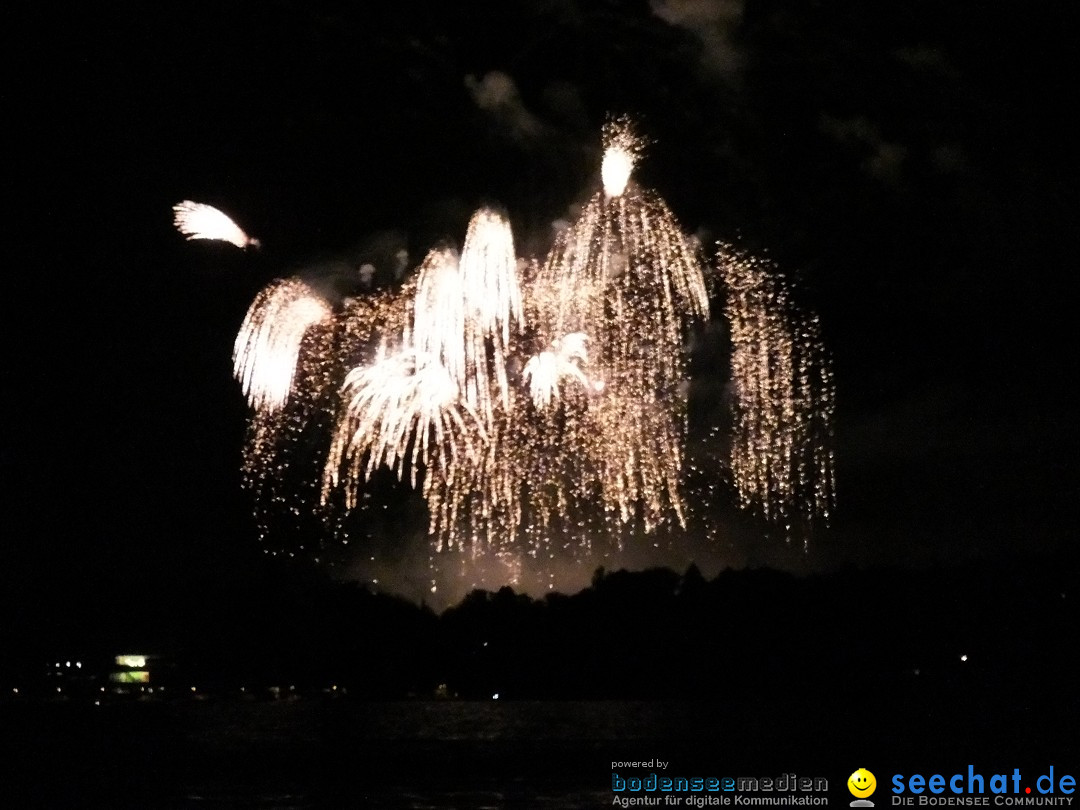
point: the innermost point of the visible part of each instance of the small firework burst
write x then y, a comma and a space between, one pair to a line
402, 411
201, 221
546, 370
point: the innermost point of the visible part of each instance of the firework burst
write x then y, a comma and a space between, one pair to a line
625, 275
541, 405
546, 370
403, 409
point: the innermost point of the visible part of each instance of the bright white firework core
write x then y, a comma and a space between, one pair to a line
622, 148
544, 371
615, 169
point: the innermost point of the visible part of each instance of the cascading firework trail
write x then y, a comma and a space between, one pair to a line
624, 275
285, 453
540, 406
267, 347
781, 456
493, 309
433, 400
285, 447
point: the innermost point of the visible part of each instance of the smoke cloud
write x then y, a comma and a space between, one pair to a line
497, 94
714, 23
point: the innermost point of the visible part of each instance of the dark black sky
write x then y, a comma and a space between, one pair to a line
912, 164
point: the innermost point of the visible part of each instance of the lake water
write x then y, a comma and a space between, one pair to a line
315, 753
341, 753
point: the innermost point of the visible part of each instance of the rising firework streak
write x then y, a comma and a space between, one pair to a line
200, 221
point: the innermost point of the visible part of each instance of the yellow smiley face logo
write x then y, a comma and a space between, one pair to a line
861, 783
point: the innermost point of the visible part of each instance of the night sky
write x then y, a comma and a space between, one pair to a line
909, 164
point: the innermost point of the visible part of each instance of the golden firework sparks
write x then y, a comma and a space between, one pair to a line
545, 404
285, 451
625, 274
781, 450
